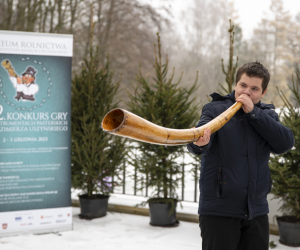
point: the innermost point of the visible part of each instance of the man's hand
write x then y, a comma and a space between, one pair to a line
248, 105
205, 139
19, 80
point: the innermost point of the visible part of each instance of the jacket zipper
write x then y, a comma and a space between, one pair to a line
243, 124
219, 182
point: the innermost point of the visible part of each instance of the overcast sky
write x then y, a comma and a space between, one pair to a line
250, 12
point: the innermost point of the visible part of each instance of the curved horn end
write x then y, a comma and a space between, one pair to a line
113, 120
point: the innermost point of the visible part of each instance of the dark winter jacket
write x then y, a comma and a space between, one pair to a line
235, 177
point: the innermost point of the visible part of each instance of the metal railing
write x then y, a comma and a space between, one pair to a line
189, 182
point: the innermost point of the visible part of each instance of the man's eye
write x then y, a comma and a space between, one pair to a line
255, 89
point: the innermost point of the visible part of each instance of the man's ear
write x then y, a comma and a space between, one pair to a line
263, 93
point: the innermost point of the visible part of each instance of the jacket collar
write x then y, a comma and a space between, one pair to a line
215, 96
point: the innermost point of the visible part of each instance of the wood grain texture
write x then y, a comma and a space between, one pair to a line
124, 123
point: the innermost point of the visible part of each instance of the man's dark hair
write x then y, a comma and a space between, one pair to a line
254, 69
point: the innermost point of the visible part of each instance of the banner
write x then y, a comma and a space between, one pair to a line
35, 134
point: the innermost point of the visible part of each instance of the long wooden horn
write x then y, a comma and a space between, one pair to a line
124, 123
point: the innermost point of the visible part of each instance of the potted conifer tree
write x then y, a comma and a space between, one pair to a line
285, 172
96, 156
167, 104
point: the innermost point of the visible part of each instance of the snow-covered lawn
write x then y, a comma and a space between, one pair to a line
114, 232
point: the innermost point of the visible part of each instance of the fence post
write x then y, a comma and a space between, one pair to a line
182, 180
135, 175
124, 176
101, 183
171, 176
112, 183
147, 178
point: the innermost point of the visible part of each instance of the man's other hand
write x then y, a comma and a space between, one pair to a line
248, 105
205, 139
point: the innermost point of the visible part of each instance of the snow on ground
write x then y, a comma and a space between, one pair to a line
114, 232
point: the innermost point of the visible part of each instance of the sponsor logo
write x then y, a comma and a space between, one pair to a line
30, 224
18, 218
60, 215
46, 216
4, 225
47, 222
68, 215
24, 224
61, 221
30, 217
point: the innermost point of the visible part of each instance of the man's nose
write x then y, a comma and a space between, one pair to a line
247, 92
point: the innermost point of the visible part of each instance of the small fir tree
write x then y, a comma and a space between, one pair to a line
231, 68
169, 105
285, 168
96, 156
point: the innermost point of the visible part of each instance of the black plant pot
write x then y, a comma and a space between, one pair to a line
159, 213
289, 231
93, 207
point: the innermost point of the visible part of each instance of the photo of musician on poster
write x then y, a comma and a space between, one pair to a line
25, 86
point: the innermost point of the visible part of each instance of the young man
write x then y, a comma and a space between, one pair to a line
235, 177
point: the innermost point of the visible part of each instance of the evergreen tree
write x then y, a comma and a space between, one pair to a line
166, 104
285, 168
231, 68
96, 155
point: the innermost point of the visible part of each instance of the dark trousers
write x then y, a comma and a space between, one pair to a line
229, 233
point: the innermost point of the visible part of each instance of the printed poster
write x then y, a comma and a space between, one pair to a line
35, 134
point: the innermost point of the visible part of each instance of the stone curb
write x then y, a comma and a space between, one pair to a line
145, 212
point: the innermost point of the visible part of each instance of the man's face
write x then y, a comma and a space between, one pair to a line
250, 86
27, 78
